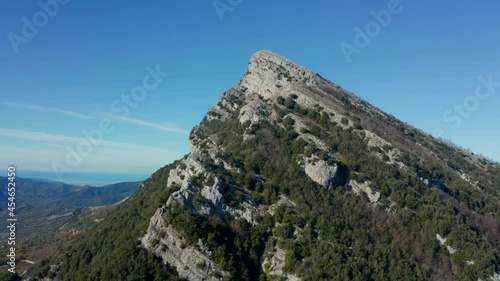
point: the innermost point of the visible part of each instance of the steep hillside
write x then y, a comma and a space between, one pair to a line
291, 177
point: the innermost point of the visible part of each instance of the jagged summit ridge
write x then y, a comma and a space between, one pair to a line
266, 57
269, 74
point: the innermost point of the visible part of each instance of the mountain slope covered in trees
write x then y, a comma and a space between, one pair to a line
291, 177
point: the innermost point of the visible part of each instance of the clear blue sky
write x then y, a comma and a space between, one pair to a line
64, 79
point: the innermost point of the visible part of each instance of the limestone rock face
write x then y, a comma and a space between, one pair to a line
269, 74
323, 174
167, 243
254, 111
365, 188
276, 263
202, 197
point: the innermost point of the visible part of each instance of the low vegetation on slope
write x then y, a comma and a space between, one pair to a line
110, 251
335, 234
316, 186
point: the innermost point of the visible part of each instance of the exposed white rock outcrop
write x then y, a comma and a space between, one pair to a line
365, 188
323, 174
494, 277
224, 107
442, 241
450, 249
191, 263
274, 264
208, 196
468, 179
270, 75
283, 200
201, 196
375, 140
254, 111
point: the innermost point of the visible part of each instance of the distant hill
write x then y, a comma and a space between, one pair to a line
39, 199
35, 192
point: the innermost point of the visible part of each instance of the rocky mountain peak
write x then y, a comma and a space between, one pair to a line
267, 60
289, 168
268, 74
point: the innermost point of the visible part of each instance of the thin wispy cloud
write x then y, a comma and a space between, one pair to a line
172, 128
58, 140
109, 160
47, 109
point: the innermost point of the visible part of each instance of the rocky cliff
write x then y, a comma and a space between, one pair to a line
291, 177
269, 83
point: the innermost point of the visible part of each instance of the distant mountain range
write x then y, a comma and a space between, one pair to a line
37, 192
41, 199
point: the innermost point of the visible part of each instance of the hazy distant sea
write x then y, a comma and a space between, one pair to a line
94, 179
